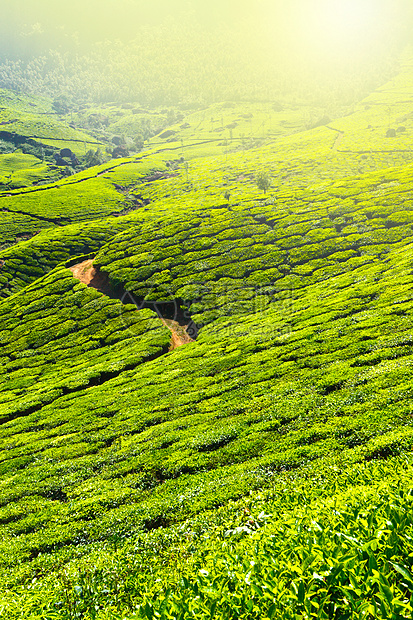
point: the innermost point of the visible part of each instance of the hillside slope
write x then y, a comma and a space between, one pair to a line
300, 371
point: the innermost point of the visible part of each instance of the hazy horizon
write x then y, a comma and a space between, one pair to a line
264, 43
28, 28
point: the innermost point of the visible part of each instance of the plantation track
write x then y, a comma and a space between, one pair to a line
58, 221
338, 140
89, 275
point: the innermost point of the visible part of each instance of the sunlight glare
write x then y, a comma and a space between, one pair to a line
337, 26
347, 16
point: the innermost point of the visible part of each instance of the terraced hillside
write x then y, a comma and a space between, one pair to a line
32, 136
261, 469
24, 118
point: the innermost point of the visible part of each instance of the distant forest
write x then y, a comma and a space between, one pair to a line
180, 62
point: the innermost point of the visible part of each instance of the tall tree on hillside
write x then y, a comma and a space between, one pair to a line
263, 181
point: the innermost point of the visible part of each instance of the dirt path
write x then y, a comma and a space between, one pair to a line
339, 137
134, 160
338, 140
83, 271
89, 275
179, 335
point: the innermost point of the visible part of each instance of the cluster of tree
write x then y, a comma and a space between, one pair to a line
189, 66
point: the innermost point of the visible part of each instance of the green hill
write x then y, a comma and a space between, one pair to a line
34, 118
262, 470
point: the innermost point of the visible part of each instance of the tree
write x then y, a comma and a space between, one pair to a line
138, 142
263, 181
93, 158
61, 105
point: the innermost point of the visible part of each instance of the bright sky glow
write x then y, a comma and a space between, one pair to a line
347, 16
320, 33
334, 27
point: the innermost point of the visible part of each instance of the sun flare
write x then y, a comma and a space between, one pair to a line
347, 16
336, 26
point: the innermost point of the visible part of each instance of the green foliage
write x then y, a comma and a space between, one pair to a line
263, 181
240, 475
32, 120
59, 336
20, 170
347, 553
238, 63
33, 258
330, 541
94, 158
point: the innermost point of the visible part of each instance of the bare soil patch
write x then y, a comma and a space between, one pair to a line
179, 335
87, 273
338, 140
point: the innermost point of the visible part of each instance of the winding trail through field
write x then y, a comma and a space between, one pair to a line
339, 137
87, 273
179, 335
338, 141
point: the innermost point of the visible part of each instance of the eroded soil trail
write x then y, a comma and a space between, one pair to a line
338, 140
179, 335
87, 273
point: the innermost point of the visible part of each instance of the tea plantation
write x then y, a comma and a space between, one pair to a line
263, 470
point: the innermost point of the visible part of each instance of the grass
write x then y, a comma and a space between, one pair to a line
20, 170
340, 545
260, 471
34, 118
